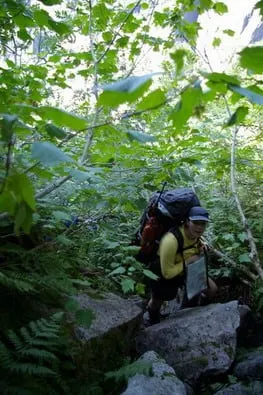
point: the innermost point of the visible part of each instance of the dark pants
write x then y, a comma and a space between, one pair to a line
166, 289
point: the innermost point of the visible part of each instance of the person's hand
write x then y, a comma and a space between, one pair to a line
192, 259
204, 247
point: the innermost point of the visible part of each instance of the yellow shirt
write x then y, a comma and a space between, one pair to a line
172, 261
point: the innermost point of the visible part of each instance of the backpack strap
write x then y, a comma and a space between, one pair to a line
180, 240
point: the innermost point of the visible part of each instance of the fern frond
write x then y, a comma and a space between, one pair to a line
13, 281
15, 340
26, 335
127, 371
31, 369
7, 389
45, 342
42, 326
65, 388
6, 358
39, 354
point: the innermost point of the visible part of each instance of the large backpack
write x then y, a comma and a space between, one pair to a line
166, 210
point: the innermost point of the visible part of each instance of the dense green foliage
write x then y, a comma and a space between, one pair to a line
76, 174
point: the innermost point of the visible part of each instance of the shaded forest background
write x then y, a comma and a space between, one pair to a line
75, 176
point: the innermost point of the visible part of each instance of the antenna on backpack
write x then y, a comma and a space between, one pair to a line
161, 192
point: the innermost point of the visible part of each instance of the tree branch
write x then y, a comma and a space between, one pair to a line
89, 135
8, 162
124, 116
118, 31
139, 59
50, 188
229, 260
252, 245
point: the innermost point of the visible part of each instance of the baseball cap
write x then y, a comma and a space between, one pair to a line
198, 214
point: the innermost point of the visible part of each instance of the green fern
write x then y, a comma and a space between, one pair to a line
32, 355
127, 371
16, 282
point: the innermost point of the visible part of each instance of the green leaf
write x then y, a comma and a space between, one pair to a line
85, 317
61, 215
220, 8
80, 175
118, 270
72, 305
140, 289
23, 219
242, 236
229, 32
8, 202
48, 153
62, 239
127, 90
159, 18
216, 42
27, 190
24, 21
20, 185
228, 236
59, 27
127, 285
244, 258
125, 372
41, 17
61, 117
7, 124
23, 35
222, 77
178, 57
238, 116
251, 95
252, 59
54, 131
51, 2
259, 5
107, 36
101, 14
140, 136
111, 244
190, 98
154, 99
128, 85
150, 274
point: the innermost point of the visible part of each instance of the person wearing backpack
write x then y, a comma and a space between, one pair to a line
179, 248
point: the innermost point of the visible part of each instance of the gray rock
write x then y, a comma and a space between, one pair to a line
162, 382
111, 311
251, 366
111, 334
254, 388
197, 341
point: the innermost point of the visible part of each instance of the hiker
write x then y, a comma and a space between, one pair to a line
171, 264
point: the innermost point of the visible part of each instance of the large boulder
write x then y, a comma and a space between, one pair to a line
251, 367
163, 380
253, 388
197, 341
111, 335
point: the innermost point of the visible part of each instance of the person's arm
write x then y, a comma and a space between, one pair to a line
168, 250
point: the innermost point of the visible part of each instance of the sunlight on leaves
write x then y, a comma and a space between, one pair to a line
48, 153
252, 59
140, 136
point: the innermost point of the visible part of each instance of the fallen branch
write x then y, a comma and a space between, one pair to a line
229, 260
